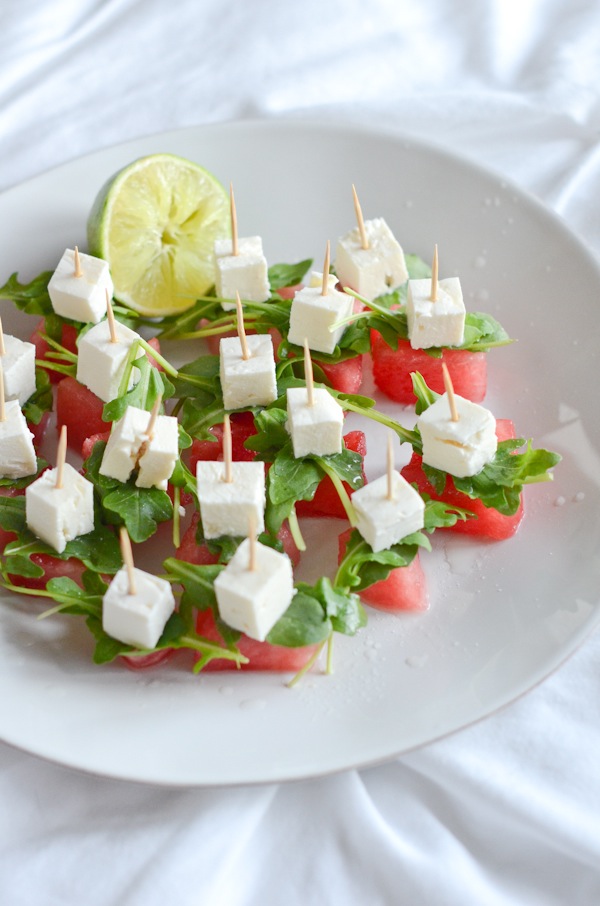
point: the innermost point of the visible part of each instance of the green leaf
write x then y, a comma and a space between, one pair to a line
283, 275
303, 623
32, 297
41, 401
140, 509
152, 384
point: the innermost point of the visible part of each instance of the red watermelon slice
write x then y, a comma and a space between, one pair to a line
392, 369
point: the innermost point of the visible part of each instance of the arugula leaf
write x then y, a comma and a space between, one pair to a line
316, 611
41, 400
139, 509
152, 383
284, 275
19, 483
32, 297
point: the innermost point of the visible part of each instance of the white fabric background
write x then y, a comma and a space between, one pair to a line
506, 812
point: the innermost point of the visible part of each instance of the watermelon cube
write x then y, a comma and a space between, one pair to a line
80, 410
326, 501
261, 655
392, 369
489, 523
404, 589
242, 427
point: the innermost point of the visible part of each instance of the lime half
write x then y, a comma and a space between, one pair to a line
155, 223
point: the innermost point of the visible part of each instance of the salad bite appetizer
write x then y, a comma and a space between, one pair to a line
229, 451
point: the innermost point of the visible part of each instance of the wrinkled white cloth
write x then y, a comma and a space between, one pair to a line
504, 812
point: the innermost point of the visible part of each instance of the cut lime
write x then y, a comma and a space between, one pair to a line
155, 223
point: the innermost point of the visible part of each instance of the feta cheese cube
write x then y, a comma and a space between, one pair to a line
17, 454
129, 448
245, 272
18, 365
248, 382
57, 515
439, 323
315, 429
312, 315
101, 363
80, 298
461, 448
374, 270
227, 507
137, 619
383, 522
253, 600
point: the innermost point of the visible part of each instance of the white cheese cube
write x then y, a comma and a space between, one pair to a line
247, 382
101, 363
375, 270
18, 366
129, 448
245, 272
137, 619
253, 600
17, 454
57, 515
439, 323
383, 522
227, 507
80, 298
315, 429
461, 448
312, 315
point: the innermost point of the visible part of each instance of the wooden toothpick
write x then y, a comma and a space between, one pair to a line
153, 417
364, 242
234, 229
308, 375
325, 284
61, 455
2, 404
2, 346
127, 555
77, 272
240, 327
252, 565
434, 275
227, 452
390, 468
450, 392
112, 326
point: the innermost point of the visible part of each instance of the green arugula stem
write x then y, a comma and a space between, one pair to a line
310, 662
295, 530
208, 650
341, 490
158, 358
131, 356
349, 320
405, 434
58, 347
537, 479
329, 663
176, 517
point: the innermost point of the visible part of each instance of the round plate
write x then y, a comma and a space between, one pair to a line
502, 615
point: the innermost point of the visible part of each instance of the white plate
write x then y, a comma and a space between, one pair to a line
503, 616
